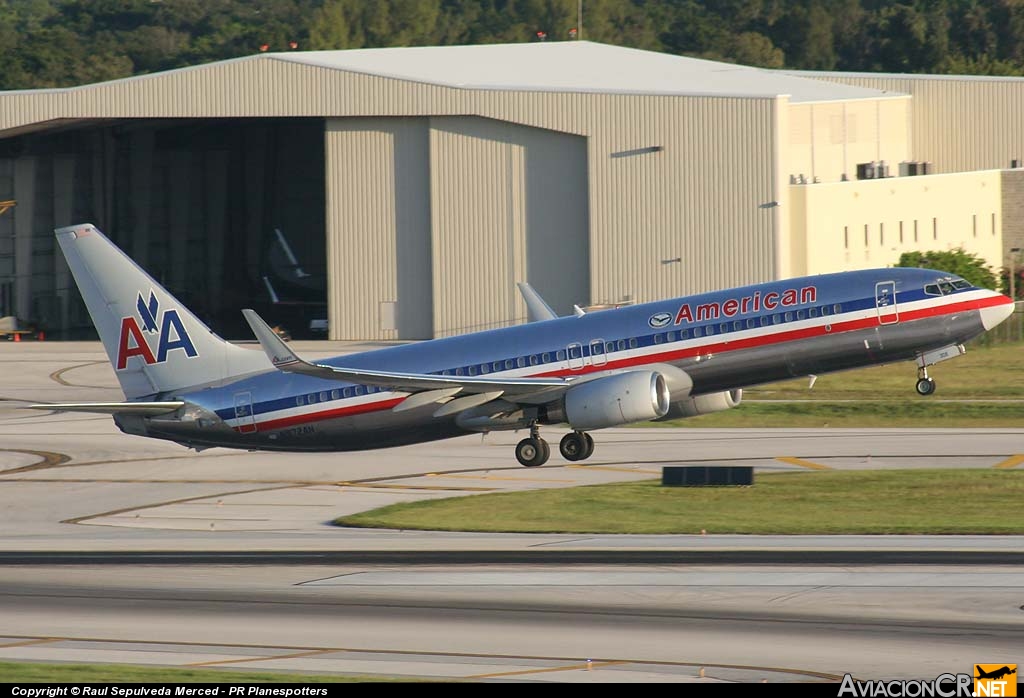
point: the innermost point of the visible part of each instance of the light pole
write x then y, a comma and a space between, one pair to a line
1013, 285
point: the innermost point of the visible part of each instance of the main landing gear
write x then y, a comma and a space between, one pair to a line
534, 451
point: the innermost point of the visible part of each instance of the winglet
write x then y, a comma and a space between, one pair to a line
539, 310
274, 347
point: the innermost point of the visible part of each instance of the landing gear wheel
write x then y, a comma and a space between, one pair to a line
925, 386
590, 446
576, 446
532, 452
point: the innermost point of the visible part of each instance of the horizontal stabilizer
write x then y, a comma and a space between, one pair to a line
143, 409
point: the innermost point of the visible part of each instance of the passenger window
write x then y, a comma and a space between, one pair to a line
347, 392
622, 345
697, 332
311, 398
546, 357
359, 390
825, 310
764, 321
837, 308
658, 339
789, 317
812, 312
776, 319
335, 395
521, 361
458, 371
560, 355
533, 360
684, 334
709, 330
484, 368
632, 343
299, 400
471, 370
672, 336
509, 365
800, 315
751, 323
496, 365
323, 397
609, 347
724, 327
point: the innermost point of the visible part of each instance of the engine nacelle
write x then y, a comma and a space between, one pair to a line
634, 396
705, 404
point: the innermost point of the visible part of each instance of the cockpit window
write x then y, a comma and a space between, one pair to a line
945, 287
932, 289
960, 284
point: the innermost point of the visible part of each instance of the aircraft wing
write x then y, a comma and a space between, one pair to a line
527, 390
144, 409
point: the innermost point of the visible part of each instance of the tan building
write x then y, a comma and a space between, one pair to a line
401, 193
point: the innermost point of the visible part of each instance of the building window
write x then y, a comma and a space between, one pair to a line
865, 235
846, 237
915, 231
935, 228
901, 232
993, 223
881, 233
974, 225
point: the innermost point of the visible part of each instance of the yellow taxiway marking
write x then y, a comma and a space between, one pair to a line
509, 479
614, 470
26, 643
572, 667
294, 655
802, 463
1011, 462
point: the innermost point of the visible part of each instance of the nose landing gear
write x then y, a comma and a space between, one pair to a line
925, 385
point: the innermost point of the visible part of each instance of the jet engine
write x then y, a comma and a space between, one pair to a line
704, 404
622, 398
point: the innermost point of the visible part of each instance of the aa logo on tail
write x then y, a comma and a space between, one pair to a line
168, 328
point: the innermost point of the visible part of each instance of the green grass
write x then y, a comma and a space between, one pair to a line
821, 502
39, 672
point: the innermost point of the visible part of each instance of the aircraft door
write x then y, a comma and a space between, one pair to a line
885, 302
575, 353
243, 413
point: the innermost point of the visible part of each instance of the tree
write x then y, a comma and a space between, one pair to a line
959, 262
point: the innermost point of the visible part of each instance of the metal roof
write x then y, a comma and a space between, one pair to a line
578, 66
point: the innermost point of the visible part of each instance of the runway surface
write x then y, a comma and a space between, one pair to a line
121, 549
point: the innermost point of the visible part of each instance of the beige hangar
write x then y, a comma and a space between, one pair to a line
419, 184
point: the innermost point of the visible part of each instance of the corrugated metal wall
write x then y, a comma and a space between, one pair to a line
378, 228
958, 124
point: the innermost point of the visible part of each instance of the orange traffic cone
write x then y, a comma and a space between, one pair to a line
17, 336
41, 336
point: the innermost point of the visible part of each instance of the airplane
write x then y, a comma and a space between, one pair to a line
667, 359
995, 673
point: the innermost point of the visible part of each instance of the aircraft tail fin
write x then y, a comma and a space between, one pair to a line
155, 344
